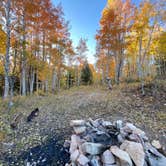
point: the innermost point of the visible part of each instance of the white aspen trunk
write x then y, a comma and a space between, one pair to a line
32, 81
23, 80
7, 57
24, 59
54, 78
46, 86
103, 77
37, 83
117, 70
140, 67
68, 80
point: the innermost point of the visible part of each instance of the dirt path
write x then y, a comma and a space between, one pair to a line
51, 127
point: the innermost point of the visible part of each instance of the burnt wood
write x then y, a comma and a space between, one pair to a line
33, 114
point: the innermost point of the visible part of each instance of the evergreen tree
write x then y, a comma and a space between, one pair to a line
86, 74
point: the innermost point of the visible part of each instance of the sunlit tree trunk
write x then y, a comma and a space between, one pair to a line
7, 57
32, 79
23, 57
54, 79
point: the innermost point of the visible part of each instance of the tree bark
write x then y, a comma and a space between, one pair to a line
32, 79
7, 57
24, 58
54, 78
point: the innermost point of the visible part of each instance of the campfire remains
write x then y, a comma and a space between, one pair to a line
102, 143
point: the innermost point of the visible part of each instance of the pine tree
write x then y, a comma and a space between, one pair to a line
86, 74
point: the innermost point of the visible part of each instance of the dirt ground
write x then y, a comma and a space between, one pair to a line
40, 141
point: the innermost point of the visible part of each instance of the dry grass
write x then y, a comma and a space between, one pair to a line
123, 102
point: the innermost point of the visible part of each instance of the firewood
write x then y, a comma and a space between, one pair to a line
16, 120
33, 114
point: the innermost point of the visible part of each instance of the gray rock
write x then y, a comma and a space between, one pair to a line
139, 132
77, 123
95, 161
92, 148
156, 144
122, 156
107, 157
120, 138
134, 137
82, 160
107, 124
74, 155
96, 123
135, 150
75, 142
79, 129
67, 143
154, 158
129, 127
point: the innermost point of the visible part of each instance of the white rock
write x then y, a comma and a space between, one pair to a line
156, 144
108, 158
135, 150
119, 124
79, 129
107, 124
82, 160
92, 148
74, 155
75, 141
77, 123
122, 155
129, 127
139, 132
28, 164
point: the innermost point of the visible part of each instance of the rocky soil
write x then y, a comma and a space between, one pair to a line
41, 141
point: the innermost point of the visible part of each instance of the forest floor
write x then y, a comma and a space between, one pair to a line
40, 141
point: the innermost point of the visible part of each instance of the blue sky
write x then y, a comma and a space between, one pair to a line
84, 17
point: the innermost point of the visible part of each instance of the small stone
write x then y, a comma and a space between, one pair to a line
108, 158
74, 155
82, 160
156, 144
79, 129
122, 156
28, 164
67, 143
136, 152
92, 148
77, 123
95, 161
